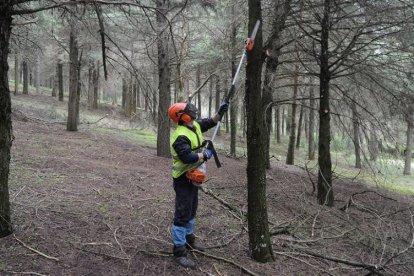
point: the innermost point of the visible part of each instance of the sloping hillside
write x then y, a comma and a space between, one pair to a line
99, 202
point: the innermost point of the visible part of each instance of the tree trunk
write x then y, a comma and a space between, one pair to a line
90, 84
218, 100
164, 79
138, 93
243, 119
73, 82
25, 78
134, 96
95, 86
311, 130
290, 158
16, 73
124, 92
325, 189
37, 76
271, 65
128, 98
198, 83
408, 147
60, 81
283, 121
210, 97
154, 105
30, 70
226, 115
373, 144
233, 65
146, 101
259, 238
6, 134
78, 91
300, 124
357, 145
277, 125
55, 81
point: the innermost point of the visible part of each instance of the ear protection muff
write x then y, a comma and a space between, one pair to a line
185, 118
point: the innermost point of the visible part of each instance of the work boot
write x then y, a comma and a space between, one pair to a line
180, 257
193, 243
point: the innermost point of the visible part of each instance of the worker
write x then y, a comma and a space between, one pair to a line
188, 154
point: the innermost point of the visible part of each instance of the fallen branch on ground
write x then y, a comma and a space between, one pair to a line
351, 199
225, 260
34, 250
22, 273
226, 243
222, 201
97, 121
372, 268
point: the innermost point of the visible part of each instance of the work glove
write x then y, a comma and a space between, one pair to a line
207, 154
223, 109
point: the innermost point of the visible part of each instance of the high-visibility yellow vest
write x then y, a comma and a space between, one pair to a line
196, 139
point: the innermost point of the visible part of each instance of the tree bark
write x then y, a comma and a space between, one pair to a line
37, 75
198, 83
73, 82
373, 144
124, 93
90, 84
271, 65
164, 79
218, 100
134, 96
300, 124
408, 147
290, 158
259, 238
210, 97
226, 115
95, 75
137, 91
60, 80
325, 189
128, 98
311, 130
16, 73
277, 125
233, 105
6, 134
78, 91
55, 81
357, 145
283, 121
25, 78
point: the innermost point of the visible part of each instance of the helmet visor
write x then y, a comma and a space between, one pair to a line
191, 110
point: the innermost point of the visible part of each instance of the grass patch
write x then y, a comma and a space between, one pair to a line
145, 137
402, 190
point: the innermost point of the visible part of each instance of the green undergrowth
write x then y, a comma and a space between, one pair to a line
145, 137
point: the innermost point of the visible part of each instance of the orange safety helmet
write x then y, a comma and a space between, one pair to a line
185, 112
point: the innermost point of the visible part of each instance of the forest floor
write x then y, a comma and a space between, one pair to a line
99, 202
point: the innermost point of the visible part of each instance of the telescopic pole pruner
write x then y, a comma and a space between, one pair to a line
249, 44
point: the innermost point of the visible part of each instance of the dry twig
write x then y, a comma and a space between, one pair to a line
34, 250
227, 261
22, 273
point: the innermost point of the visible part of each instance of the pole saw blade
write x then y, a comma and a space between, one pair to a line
255, 29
